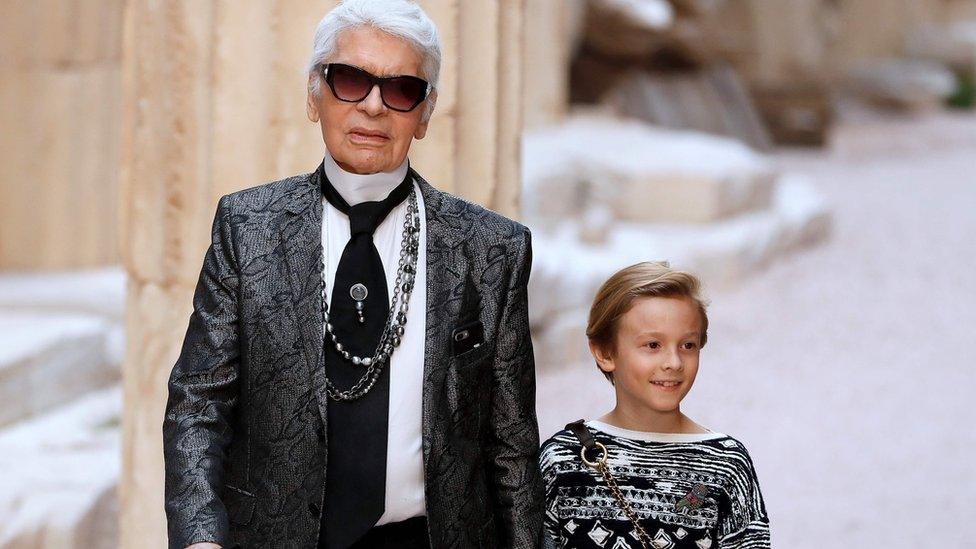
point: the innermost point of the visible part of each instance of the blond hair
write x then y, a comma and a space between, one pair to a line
647, 279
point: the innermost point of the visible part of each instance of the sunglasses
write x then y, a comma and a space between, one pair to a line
352, 84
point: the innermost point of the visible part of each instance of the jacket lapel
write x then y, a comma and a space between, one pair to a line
447, 269
301, 238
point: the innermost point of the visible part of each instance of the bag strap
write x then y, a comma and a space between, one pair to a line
593, 453
590, 445
582, 433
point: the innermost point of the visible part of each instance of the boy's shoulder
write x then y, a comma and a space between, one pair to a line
733, 452
730, 442
563, 440
560, 453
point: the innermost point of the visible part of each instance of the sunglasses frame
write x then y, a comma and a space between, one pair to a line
374, 81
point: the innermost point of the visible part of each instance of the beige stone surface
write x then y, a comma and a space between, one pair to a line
156, 321
562, 341
59, 110
642, 173
472, 148
688, 198
47, 359
777, 43
877, 28
869, 29
550, 28
95, 292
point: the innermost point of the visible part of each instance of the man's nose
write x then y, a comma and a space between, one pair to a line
372, 104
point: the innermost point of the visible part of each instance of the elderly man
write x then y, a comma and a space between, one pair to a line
357, 370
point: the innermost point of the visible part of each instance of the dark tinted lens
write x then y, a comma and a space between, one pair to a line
403, 93
349, 83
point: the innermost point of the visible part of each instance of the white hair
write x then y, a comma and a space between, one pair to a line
400, 18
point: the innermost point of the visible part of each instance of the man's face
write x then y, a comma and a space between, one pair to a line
368, 137
655, 354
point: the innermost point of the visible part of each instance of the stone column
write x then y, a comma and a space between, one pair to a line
553, 29
472, 148
59, 144
214, 101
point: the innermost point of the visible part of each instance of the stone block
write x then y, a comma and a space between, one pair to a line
61, 470
640, 172
98, 292
47, 360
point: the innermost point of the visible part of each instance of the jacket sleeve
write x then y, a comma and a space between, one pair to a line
512, 445
202, 396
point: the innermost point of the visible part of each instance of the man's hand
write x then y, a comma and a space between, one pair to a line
203, 545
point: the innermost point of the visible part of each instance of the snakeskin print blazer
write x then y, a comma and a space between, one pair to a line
244, 430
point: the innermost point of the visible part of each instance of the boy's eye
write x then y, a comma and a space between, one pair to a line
653, 344
690, 345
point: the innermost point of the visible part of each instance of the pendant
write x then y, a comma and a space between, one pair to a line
358, 293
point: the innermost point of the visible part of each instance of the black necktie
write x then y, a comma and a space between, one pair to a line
355, 486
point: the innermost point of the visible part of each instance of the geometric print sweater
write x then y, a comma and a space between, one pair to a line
694, 491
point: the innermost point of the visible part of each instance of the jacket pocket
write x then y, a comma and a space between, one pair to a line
468, 380
239, 504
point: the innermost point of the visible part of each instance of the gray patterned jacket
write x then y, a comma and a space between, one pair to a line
244, 431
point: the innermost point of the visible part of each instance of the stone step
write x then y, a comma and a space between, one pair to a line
99, 292
640, 173
567, 271
48, 359
60, 476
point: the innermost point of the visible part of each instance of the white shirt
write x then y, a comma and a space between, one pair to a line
404, 455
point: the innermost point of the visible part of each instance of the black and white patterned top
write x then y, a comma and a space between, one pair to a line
696, 491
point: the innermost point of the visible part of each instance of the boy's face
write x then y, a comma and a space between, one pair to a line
655, 355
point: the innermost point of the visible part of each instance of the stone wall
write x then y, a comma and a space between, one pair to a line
59, 148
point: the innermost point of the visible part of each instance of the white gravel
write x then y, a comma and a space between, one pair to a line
848, 369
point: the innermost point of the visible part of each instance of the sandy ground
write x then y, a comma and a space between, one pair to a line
848, 369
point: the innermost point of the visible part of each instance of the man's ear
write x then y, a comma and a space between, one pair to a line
603, 358
422, 127
311, 107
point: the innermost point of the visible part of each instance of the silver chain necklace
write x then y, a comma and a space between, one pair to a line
396, 320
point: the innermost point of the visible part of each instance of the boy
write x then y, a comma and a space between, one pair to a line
652, 477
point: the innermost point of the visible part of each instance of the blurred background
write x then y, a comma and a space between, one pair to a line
812, 160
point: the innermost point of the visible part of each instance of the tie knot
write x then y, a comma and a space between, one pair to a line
365, 217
